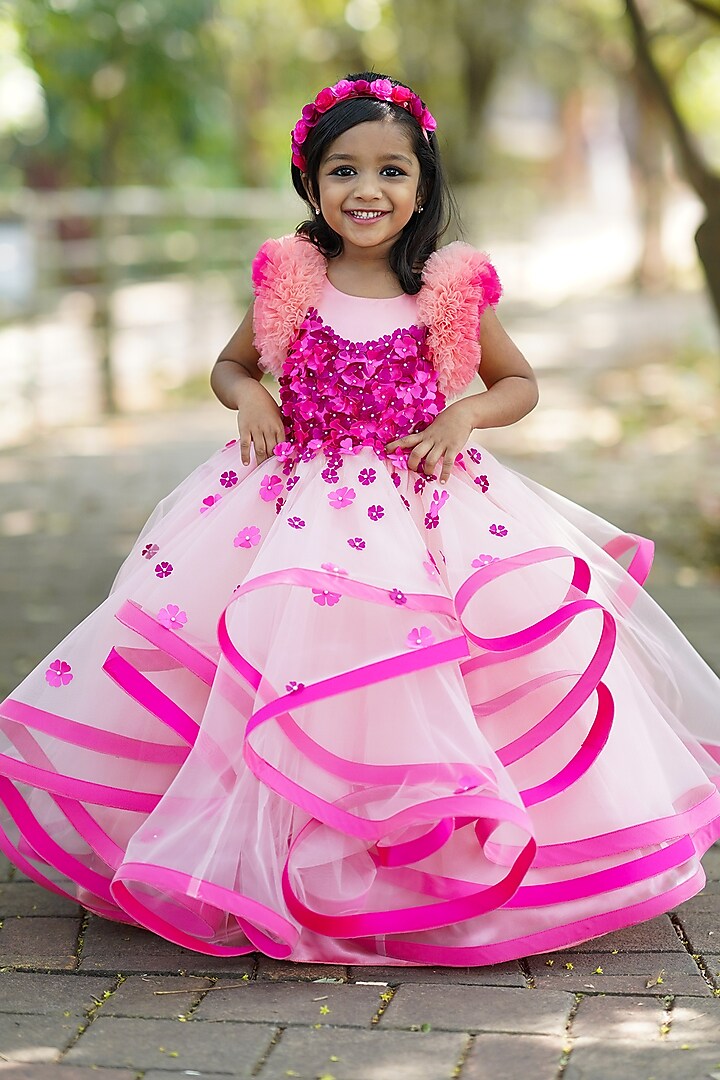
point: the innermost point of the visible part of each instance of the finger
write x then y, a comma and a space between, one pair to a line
260, 448
245, 447
405, 442
431, 461
448, 462
421, 450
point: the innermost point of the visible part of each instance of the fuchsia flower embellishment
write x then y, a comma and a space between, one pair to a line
482, 482
296, 523
163, 569
420, 636
341, 497
208, 502
498, 530
292, 686
172, 617
324, 596
431, 567
376, 513
483, 560
229, 478
248, 537
59, 673
149, 551
290, 484
270, 487
367, 476
398, 597
283, 451
356, 542
330, 476
333, 569
474, 455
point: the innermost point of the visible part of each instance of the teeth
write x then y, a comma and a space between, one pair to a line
366, 213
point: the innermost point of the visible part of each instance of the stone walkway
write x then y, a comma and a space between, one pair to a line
80, 997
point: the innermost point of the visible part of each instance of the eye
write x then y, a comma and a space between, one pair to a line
393, 170
342, 170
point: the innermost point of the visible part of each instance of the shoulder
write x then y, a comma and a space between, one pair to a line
460, 265
288, 275
458, 284
278, 257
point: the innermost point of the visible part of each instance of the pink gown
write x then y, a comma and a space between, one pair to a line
334, 712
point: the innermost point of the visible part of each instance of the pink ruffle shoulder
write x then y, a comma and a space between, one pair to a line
459, 282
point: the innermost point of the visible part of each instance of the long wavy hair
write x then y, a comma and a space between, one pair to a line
420, 236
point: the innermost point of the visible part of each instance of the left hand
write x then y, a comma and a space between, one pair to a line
444, 438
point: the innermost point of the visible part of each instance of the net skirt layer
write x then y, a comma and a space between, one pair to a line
374, 722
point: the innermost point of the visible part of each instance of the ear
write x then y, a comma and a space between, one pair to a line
308, 194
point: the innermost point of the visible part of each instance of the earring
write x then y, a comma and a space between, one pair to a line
316, 211
420, 209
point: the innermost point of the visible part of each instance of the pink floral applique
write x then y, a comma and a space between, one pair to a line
420, 636
284, 451
482, 482
229, 444
341, 497
59, 673
270, 487
229, 478
398, 597
279, 503
290, 484
376, 513
474, 455
432, 518
356, 542
484, 560
296, 523
367, 476
395, 477
149, 551
431, 567
292, 686
330, 476
208, 502
498, 530
164, 569
248, 537
324, 596
172, 617
420, 485
333, 569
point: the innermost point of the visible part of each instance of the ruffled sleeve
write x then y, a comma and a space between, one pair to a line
459, 282
288, 275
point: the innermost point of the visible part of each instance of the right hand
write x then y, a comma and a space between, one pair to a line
259, 422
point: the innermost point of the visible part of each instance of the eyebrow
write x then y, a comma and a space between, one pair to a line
385, 157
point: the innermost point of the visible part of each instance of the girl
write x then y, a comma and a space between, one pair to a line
360, 692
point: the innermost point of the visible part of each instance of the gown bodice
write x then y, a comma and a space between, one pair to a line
358, 373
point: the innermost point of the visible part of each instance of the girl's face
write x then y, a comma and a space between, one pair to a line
368, 185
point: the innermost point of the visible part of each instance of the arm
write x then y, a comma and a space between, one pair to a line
511, 394
235, 381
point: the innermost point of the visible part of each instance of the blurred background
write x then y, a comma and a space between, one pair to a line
144, 149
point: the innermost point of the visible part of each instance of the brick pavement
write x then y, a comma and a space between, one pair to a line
84, 999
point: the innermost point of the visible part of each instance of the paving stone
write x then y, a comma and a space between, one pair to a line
115, 947
170, 1045
27, 898
696, 1023
34, 1039
712, 964
705, 903
702, 932
65, 1072
39, 943
6, 869
136, 996
622, 973
286, 969
623, 1018
292, 1003
711, 863
349, 1054
482, 1008
509, 1057
593, 1059
655, 935
508, 974
33, 992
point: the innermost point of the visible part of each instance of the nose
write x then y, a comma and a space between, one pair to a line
367, 186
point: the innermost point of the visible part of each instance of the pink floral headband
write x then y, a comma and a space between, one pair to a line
382, 89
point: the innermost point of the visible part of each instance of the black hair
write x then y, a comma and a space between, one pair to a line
420, 236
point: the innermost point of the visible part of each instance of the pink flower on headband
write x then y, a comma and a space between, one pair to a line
381, 89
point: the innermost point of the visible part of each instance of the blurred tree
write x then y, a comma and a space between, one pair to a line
126, 86
454, 51
693, 163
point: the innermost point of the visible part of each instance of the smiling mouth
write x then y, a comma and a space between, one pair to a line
366, 215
